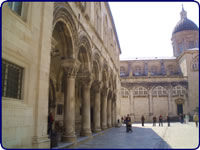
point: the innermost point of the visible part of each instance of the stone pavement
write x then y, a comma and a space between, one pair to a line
176, 136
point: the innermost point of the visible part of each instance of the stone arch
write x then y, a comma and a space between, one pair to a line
140, 91
105, 74
178, 90
125, 92
63, 17
159, 91
84, 54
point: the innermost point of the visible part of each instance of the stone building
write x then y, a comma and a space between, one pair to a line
58, 57
164, 86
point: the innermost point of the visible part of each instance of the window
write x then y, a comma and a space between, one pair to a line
195, 64
59, 109
140, 91
137, 71
154, 70
124, 92
11, 80
122, 71
159, 91
170, 69
191, 44
178, 90
180, 48
21, 8
16, 7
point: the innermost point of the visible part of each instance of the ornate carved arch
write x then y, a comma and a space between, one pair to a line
63, 14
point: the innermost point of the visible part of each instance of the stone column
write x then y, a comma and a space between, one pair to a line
70, 69
97, 107
113, 111
109, 110
104, 108
169, 102
150, 102
86, 121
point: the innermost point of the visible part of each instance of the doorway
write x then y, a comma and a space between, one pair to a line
179, 109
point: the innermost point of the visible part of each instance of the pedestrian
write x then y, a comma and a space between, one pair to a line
154, 121
50, 123
196, 119
186, 118
160, 120
128, 124
142, 119
181, 118
168, 120
122, 120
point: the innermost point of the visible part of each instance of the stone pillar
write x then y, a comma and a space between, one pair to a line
70, 70
150, 102
169, 102
113, 111
86, 116
97, 107
109, 110
104, 108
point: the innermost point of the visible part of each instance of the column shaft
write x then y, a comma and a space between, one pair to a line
97, 112
109, 113
86, 121
69, 110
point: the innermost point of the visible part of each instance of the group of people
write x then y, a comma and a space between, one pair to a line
155, 119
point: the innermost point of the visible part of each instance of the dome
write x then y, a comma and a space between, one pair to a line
185, 24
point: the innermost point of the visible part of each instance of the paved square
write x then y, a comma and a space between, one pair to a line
176, 136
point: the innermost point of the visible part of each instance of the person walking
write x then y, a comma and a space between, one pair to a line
160, 121
168, 120
154, 121
186, 118
50, 123
128, 124
142, 119
196, 119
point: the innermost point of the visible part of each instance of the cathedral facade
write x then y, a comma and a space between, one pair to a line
60, 58
164, 86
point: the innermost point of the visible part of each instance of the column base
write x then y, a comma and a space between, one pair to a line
86, 133
41, 142
97, 130
109, 126
104, 128
66, 138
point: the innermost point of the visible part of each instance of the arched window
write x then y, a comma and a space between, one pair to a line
140, 91
159, 91
195, 64
178, 90
124, 92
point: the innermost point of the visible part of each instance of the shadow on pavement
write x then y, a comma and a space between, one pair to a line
144, 138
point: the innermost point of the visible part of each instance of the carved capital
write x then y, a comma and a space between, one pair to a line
105, 91
85, 79
96, 86
70, 67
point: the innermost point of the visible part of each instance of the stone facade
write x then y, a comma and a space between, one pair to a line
158, 86
67, 60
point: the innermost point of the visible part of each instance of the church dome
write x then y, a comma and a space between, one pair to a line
184, 23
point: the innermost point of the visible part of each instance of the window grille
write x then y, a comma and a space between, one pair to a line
11, 80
